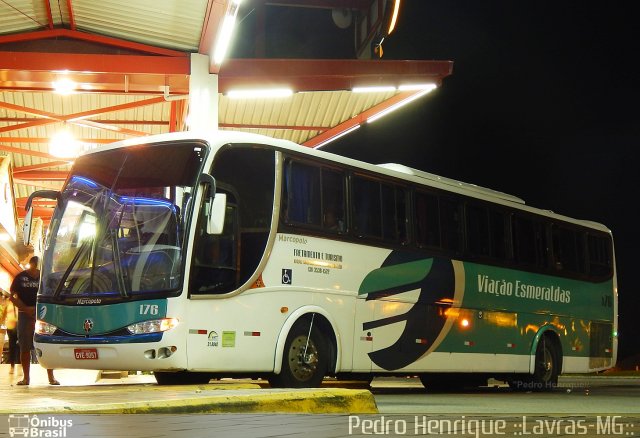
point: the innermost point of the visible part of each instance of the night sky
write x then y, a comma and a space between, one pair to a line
542, 104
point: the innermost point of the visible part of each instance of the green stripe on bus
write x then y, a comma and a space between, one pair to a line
393, 276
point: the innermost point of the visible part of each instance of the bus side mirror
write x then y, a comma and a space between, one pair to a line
215, 221
26, 227
28, 219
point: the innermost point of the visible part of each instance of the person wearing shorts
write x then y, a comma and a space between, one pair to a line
24, 290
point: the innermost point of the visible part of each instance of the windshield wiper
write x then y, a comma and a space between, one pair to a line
117, 264
83, 248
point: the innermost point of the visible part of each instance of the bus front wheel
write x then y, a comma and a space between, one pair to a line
305, 358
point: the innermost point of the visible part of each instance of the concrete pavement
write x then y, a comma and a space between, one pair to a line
93, 392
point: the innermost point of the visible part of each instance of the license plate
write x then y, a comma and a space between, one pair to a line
86, 353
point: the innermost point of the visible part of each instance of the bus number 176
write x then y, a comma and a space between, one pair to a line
148, 309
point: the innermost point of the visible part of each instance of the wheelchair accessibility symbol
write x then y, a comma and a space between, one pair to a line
287, 276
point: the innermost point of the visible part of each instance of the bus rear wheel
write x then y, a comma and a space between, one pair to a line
546, 368
305, 358
547, 365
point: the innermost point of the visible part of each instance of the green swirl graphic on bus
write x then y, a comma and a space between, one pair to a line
399, 273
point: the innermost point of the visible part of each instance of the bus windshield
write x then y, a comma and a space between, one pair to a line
120, 229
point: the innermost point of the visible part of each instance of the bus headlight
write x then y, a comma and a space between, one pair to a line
153, 326
44, 328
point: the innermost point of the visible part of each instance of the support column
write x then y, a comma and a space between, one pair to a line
203, 95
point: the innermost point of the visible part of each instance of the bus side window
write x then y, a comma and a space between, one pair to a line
498, 227
302, 185
478, 236
599, 255
524, 240
394, 214
427, 227
567, 252
530, 246
333, 211
452, 225
366, 207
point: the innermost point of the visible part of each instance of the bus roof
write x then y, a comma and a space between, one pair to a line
221, 137
451, 182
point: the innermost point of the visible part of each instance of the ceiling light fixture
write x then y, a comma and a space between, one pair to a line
226, 31
335, 137
64, 145
400, 104
394, 17
413, 87
64, 86
374, 89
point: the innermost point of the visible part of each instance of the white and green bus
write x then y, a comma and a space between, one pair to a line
230, 254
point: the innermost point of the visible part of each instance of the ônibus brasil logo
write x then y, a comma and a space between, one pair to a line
33, 426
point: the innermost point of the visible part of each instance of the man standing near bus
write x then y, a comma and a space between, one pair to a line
24, 292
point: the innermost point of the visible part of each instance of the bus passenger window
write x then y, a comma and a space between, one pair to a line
567, 246
530, 243
394, 214
499, 232
427, 220
599, 249
478, 237
451, 222
333, 217
302, 185
366, 208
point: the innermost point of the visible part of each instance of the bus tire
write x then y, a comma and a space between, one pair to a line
547, 365
546, 368
181, 378
300, 370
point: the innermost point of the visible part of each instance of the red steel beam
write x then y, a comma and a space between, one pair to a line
42, 212
25, 151
40, 166
47, 140
72, 19
21, 203
96, 63
212, 19
44, 175
27, 125
47, 6
327, 74
94, 38
107, 121
291, 127
360, 118
79, 118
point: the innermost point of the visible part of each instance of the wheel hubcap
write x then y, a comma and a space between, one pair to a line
303, 363
547, 365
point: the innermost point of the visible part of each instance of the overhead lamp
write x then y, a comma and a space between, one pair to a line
412, 87
335, 137
394, 16
400, 104
226, 31
374, 89
259, 93
64, 145
64, 86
